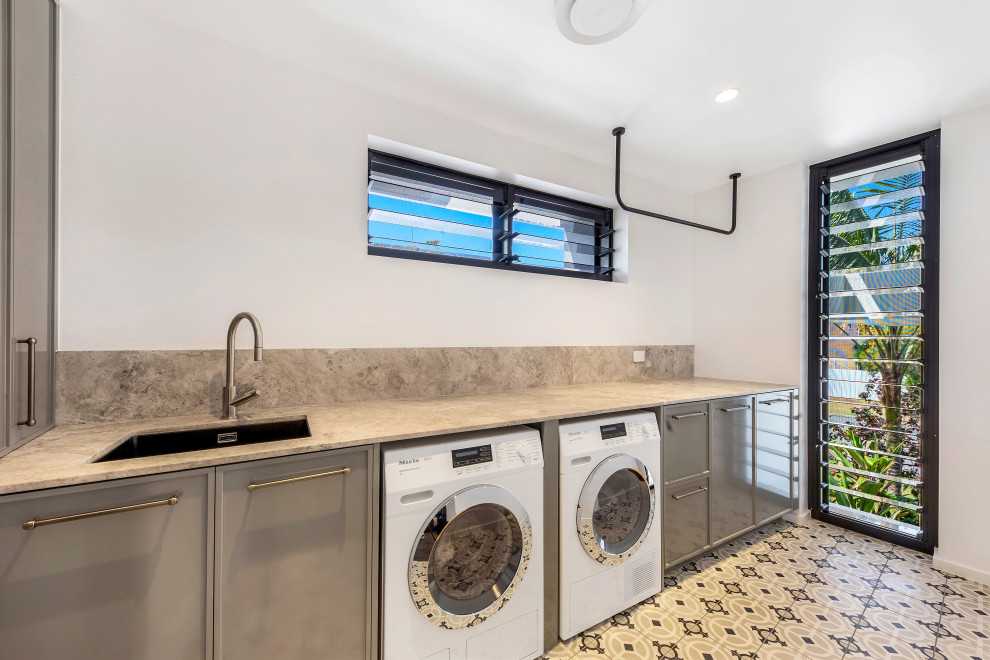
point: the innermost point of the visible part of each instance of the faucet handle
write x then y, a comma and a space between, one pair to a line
244, 398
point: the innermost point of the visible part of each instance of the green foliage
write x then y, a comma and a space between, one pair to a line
851, 455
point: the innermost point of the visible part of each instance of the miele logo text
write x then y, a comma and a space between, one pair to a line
409, 461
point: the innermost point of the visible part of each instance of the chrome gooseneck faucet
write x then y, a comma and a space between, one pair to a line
230, 403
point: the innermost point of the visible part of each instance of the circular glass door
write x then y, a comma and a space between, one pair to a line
615, 509
470, 557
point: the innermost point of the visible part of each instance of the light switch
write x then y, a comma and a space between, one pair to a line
639, 356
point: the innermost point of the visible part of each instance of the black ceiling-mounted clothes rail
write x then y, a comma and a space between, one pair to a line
617, 132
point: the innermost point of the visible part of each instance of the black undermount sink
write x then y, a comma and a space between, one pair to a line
177, 442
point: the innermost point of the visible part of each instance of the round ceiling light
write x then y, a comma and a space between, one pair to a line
727, 96
597, 21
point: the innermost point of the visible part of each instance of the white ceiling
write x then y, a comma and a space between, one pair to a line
817, 79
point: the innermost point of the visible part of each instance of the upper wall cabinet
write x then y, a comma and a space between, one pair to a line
27, 231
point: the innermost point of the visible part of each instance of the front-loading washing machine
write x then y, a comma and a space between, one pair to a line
463, 547
610, 526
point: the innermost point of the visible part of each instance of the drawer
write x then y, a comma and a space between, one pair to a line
685, 441
685, 520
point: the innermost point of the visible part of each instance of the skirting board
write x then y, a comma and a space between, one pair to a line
798, 518
983, 577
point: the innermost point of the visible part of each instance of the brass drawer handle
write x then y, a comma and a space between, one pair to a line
294, 480
32, 344
694, 414
736, 409
693, 492
32, 524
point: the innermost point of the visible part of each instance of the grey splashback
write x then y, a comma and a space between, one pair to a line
102, 386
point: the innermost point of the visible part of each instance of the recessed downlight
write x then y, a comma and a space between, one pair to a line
727, 96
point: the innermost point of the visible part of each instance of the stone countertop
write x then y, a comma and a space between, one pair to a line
64, 456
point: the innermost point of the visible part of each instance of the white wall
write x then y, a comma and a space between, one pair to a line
749, 287
964, 328
200, 178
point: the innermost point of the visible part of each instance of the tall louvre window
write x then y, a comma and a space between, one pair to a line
420, 211
874, 268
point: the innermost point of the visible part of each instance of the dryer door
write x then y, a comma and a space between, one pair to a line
470, 557
616, 509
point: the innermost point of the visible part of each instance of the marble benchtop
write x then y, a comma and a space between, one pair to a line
64, 456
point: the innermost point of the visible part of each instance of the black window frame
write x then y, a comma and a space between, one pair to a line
505, 195
928, 144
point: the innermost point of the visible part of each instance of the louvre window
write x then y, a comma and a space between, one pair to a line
420, 211
874, 323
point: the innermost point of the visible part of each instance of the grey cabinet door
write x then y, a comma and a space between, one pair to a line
134, 584
774, 454
685, 441
732, 467
685, 520
294, 559
31, 216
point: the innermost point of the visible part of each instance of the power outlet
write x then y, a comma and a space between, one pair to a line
639, 356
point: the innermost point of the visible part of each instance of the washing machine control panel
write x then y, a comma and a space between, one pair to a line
587, 436
471, 455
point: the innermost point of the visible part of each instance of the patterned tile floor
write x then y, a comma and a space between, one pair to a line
799, 591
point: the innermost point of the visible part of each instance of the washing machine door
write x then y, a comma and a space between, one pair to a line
470, 557
616, 509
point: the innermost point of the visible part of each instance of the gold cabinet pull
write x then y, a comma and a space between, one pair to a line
693, 492
39, 522
293, 480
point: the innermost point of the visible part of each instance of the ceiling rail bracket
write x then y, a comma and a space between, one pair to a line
617, 132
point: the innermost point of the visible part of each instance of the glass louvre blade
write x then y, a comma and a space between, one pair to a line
906, 324
884, 477
853, 393
862, 370
402, 199
913, 461
835, 272
556, 214
880, 198
863, 213
875, 301
876, 277
855, 347
428, 248
884, 232
384, 224
874, 175
915, 217
551, 263
436, 187
543, 226
895, 434
877, 246
551, 250
877, 498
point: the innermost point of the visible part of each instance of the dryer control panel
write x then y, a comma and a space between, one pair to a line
595, 433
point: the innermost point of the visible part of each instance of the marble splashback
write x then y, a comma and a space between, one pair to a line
104, 386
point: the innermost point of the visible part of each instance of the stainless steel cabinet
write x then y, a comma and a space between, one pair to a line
685, 441
295, 559
685, 520
776, 454
27, 229
732, 467
729, 464
115, 571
